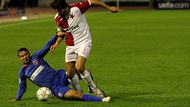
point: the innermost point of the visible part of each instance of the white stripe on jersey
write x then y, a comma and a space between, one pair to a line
36, 72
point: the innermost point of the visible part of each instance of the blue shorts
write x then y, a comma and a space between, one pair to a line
61, 84
61, 90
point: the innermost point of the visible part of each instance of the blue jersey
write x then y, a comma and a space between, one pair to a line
40, 72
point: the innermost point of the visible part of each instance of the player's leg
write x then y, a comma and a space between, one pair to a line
83, 52
73, 77
73, 94
80, 63
85, 75
89, 88
63, 91
70, 58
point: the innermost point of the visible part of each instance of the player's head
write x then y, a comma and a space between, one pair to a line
24, 55
59, 4
62, 7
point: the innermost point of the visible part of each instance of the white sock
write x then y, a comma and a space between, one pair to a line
75, 83
87, 78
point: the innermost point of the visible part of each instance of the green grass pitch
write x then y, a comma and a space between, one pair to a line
141, 58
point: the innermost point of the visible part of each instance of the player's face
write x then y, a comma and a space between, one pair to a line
24, 56
64, 13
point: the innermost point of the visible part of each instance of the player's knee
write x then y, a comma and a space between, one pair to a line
78, 95
79, 68
70, 74
73, 94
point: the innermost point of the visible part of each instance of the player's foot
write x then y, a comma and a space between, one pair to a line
99, 93
106, 99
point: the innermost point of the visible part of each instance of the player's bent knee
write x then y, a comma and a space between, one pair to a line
70, 74
80, 68
73, 94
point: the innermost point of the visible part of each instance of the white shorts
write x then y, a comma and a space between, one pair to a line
72, 52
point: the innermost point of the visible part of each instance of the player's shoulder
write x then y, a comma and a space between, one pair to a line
74, 7
23, 67
21, 70
56, 16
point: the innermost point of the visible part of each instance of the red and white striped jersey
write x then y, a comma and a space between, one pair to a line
76, 25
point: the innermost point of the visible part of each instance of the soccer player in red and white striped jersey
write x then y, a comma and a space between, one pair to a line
71, 21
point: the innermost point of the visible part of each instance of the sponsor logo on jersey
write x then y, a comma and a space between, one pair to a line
71, 28
35, 62
36, 72
72, 16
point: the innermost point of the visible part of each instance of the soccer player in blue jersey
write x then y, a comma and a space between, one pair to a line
37, 70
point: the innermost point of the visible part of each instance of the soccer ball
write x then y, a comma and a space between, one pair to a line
43, 93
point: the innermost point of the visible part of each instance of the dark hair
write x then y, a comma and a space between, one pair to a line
22, 49
59, 4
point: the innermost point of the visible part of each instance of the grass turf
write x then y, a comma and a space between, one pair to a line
139, 57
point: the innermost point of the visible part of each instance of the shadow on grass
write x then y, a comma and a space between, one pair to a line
135, 96
151, 97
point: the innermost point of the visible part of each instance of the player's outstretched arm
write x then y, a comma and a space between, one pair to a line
61, 36
113, 9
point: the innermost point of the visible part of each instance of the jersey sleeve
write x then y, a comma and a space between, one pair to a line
22, 85
83, 6
41, 53
58, 20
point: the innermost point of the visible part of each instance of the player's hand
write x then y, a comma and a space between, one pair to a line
53, 47
114, 9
